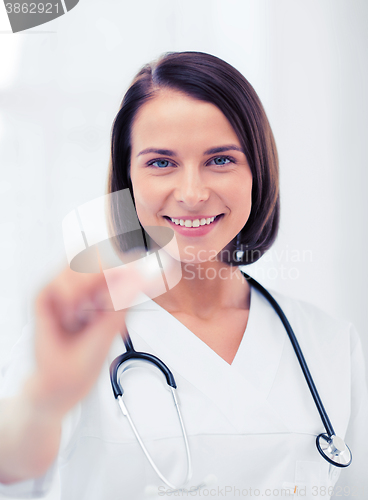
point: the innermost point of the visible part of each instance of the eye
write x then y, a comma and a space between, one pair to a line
221, 160
160, 163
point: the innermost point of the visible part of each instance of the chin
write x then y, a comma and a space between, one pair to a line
190, 255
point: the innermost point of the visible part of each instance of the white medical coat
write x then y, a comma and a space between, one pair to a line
252, 425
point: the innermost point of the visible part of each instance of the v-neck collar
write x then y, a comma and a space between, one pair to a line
251, 373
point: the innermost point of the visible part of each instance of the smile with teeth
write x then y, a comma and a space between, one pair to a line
193, 223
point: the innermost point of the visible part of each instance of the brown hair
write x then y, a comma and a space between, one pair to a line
208, 78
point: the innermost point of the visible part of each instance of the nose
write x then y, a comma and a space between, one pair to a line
191, 188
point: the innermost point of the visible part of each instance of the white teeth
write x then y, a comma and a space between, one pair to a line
193, 223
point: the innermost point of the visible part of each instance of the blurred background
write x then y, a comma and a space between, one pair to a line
60, 88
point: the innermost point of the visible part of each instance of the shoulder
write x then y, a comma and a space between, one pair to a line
330, 345
332, 350
310, 321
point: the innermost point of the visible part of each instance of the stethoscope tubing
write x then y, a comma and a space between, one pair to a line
331, 447
131, 353
308, 377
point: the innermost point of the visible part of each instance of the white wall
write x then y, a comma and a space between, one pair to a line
60, 87
316, 100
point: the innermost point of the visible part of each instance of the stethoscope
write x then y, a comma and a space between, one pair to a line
331, 447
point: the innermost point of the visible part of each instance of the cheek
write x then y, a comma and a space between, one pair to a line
142, 208
141, 195
146, 203
248, 202
242, 200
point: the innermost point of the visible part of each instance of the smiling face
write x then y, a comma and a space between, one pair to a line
189, 173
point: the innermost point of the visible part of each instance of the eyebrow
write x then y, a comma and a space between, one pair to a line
169, 152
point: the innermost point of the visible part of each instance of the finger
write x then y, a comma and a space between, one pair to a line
70, 285
59, 312
99, 333
69, 289
89, 302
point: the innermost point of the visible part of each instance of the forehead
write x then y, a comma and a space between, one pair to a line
175, 117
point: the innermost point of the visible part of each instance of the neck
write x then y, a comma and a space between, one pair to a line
205, 289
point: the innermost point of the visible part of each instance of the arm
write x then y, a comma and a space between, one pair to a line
71, 345
29, 437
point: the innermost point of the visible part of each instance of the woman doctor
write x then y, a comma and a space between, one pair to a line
193, 145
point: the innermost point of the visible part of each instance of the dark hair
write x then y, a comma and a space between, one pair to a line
208, 78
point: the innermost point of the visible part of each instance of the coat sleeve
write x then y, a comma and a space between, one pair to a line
19, 365
353, 481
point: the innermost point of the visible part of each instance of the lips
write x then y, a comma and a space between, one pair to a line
192, 227
193, 221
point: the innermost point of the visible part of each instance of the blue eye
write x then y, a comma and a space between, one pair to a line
221, 160
160, 163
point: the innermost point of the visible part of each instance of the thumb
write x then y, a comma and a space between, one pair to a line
124, 285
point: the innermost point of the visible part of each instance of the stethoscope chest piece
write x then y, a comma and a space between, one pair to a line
334, 450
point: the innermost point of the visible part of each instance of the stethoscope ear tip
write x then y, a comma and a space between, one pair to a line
334, 450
